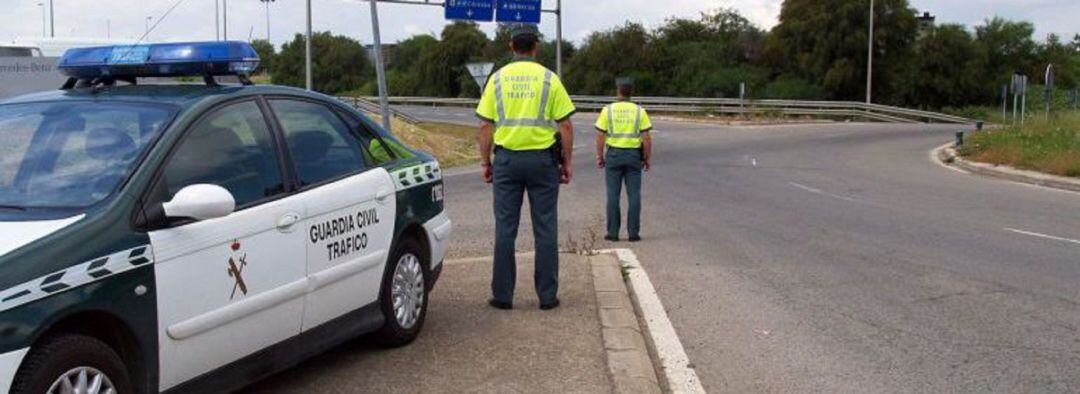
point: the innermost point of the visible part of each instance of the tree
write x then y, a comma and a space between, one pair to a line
442, 71
627, 51
941, 73
825, 42
267, 53
339, 63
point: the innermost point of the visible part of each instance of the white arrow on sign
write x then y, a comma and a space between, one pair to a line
480, 72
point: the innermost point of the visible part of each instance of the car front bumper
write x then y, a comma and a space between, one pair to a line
9, 365
438, 231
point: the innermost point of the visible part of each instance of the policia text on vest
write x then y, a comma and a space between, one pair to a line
624, 151
525, 113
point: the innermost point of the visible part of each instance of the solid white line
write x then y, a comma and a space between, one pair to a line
1044, 236
674, 363
934, 158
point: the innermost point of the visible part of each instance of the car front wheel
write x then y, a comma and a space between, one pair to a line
72, 364
404, 296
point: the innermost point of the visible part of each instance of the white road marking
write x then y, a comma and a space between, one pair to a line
934, 158
754, 162
1043, 236
674, 363
827, 194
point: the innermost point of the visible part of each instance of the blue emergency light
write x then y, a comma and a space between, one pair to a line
206, 59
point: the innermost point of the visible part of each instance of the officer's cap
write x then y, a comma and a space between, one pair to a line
624, 82
524, 29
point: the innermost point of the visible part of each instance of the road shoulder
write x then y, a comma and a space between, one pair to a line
948, 156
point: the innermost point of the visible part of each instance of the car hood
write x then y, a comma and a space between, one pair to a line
14, 235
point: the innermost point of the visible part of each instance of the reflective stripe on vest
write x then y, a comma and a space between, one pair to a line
541, 118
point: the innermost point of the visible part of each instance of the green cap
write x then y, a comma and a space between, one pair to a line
624, 81
522, 29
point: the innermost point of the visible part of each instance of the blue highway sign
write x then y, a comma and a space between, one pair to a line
519, 11
472, 10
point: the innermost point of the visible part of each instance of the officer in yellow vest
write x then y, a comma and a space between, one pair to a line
624, 132
524, 110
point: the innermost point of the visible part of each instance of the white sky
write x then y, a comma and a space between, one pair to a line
194, 19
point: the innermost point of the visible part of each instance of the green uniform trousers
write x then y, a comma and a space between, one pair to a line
623, 166
515, 174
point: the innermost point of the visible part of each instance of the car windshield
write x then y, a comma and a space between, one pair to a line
71, 154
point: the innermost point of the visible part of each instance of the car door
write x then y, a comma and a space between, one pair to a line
351, 208
228, 287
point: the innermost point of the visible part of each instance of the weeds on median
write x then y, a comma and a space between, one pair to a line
1050, 146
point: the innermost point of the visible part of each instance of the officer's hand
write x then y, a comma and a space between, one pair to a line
489, 175
648, 165
600, 163
567, 174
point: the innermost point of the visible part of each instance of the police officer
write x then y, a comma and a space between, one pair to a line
624, 132
524, 111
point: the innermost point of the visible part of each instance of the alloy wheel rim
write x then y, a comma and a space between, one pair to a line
407, 291
83, 380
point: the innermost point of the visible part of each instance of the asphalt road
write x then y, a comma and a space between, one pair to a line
835, 258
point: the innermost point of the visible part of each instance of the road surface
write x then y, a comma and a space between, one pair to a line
835, 258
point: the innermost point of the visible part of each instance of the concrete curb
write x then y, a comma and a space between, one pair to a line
675, 370
947, 155
628, 359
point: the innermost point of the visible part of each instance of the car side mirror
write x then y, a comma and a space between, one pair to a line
200, 202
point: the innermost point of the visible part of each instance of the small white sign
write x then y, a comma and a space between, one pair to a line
480, 72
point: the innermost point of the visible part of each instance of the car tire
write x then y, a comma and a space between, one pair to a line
404, 297
66, 357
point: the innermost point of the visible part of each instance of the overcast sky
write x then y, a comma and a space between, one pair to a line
194, 19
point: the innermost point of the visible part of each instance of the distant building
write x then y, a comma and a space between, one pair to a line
388, 51
926, 21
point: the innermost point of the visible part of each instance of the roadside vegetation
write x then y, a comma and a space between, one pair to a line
1048, 146
454, 145
816, 51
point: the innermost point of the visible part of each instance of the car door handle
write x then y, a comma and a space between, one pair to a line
383, 194
287, 221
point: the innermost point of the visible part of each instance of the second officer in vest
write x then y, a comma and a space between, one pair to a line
524, 109
623, 150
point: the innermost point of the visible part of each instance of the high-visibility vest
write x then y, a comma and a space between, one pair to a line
625, 121
528, 100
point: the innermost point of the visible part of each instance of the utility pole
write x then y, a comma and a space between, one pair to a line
870, 58
380, 71
52, 19
558, 38
307, 50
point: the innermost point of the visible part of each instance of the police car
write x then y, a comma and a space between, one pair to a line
180, 237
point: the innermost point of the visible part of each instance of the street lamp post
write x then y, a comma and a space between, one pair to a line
225, 19
52, 19
44, 28
307, 50
267, 2
870, 58
217, 20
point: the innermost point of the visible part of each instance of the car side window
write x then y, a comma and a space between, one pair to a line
379, 150
231, 148
321, 145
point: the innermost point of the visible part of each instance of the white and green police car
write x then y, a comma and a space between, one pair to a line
180, 238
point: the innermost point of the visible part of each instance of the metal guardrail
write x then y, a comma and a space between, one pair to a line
372, 108
875, 112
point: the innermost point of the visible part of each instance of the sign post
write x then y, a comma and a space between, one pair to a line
480, 72
380, 71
